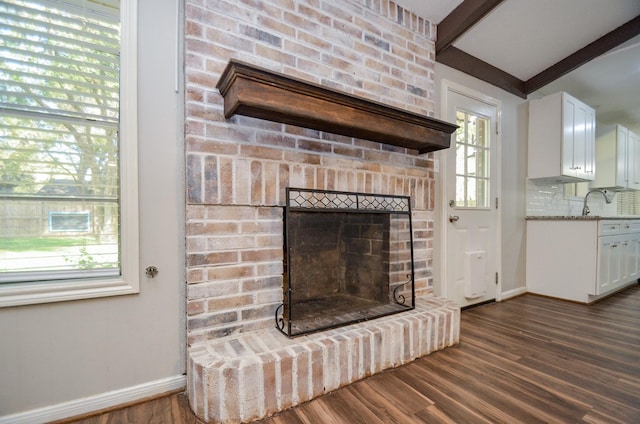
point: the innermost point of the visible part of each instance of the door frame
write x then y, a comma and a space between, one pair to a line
452, 87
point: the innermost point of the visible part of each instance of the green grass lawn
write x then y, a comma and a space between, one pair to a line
21, 244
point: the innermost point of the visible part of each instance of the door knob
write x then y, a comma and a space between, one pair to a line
151, 271
453, 218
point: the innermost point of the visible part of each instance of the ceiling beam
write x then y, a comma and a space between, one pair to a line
475, 67
584, 55
455, 25
463, 17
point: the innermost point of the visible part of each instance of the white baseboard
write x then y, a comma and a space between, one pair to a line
513, 293
95, 403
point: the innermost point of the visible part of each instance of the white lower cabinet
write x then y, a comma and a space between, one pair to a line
633, 255
582, 259
611, 267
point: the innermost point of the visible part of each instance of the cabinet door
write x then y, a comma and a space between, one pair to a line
568, 136
604, 264
618, 255
625, 259
590, 145
633, 257
610, 254
623, 155
568, 117
578, 143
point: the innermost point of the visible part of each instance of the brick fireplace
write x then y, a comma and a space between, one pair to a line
348, 258
240, 368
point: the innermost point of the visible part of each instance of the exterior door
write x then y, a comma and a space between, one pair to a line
471, 198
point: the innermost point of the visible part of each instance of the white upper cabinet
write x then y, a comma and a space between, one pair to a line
561, 139
617, 159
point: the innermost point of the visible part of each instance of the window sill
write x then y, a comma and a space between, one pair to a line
19, 294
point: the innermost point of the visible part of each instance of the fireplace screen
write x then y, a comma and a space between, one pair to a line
348, 258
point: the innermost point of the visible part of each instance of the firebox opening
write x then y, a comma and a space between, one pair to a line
348, 258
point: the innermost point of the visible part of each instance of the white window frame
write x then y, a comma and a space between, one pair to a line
128, 282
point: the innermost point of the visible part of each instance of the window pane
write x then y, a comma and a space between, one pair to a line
460, 155
53, 235
482, 168
482, 193
460, 192
481, 135
59, 139
471, 193
472, 161
471, 129
50, 156
59, 58
462, 126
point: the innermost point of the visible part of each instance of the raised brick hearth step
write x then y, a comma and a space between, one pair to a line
249, 376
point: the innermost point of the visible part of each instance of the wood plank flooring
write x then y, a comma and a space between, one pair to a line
526, 360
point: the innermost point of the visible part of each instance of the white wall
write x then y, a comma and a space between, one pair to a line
110, 350
514, 123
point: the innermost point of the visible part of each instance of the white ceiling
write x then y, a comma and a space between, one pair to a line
525, 37
609, 83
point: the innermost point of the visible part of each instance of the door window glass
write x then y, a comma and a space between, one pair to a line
472, 161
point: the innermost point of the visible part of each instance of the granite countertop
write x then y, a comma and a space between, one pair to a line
576, 217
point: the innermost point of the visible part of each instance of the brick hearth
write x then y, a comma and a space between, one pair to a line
250, 376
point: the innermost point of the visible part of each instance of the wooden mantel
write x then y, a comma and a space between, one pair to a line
260, 93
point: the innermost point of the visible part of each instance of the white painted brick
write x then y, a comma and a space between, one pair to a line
251, 389
319, 42
235, 383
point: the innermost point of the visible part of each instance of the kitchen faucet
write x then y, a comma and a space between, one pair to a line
585, 209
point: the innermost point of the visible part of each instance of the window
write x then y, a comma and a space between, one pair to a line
69, 222
68, 214
628, 203
472, 161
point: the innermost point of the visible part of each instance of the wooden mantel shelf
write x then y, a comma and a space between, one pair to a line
260, 93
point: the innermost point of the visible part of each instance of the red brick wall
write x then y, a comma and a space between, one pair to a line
237, 169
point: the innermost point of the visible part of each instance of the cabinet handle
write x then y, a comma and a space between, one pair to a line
612, 228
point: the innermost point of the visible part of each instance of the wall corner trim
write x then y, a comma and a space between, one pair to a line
513, 293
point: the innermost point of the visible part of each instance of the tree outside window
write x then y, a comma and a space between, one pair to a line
59, 138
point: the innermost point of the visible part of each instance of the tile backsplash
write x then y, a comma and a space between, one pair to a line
549, 199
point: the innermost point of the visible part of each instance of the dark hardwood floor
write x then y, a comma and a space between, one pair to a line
526, 360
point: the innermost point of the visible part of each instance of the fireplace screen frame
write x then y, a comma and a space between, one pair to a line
329, 201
